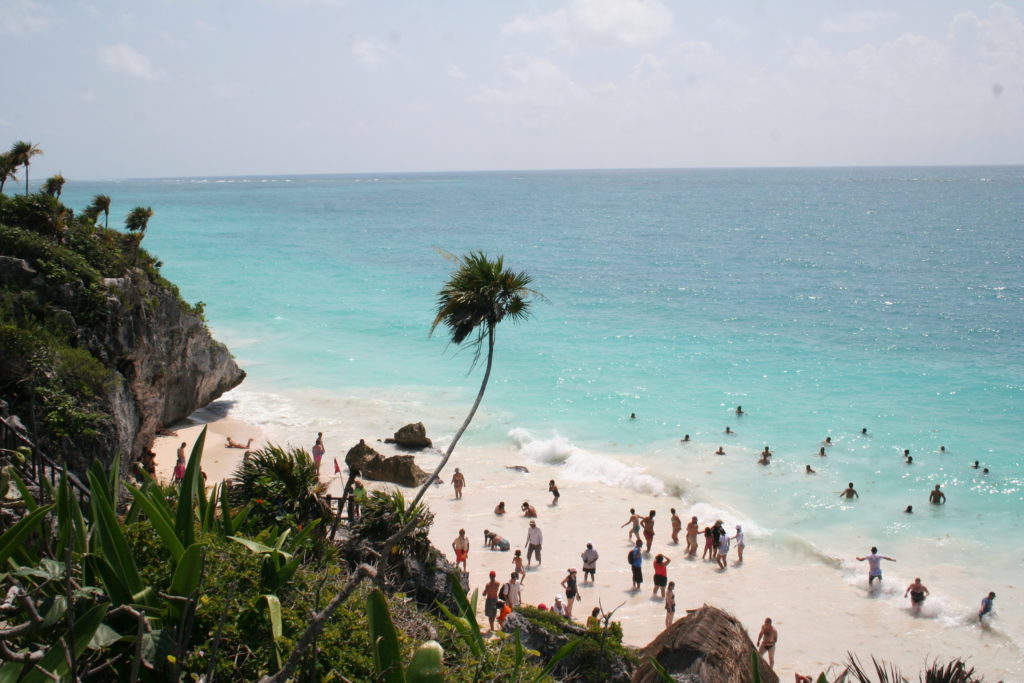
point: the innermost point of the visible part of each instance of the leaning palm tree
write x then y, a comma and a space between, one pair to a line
102, 204
54, 185
23, 152
8, 168
138, 218
480, 294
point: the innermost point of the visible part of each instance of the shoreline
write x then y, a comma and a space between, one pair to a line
798, 587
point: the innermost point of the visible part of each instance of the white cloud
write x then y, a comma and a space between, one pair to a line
372, 52
125, 59
22, 16
623, 22
455, 72
858, 22
535, 82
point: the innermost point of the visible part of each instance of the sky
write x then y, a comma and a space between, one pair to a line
169, 88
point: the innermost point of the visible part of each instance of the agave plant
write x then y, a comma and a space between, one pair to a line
283, 486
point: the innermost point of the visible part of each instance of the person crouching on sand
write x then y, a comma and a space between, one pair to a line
528, 510
499, 509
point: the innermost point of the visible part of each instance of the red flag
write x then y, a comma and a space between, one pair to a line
337, 469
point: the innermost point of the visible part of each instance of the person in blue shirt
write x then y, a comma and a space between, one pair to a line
986, 606
636, 561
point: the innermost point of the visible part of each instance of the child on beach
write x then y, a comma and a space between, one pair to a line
517, 562
554, 492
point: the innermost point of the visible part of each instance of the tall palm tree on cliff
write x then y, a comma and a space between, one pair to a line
101, 202
23, 152
480, 294
8, 168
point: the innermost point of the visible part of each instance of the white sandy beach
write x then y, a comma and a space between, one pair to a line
818, 613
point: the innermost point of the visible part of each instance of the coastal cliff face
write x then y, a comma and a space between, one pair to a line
97, 350
167, 362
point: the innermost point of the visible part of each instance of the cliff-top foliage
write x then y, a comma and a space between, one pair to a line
51, 369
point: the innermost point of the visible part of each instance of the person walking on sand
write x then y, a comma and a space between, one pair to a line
850, 492
739, 544
660, 574
534, 540
986, 606
677, 526
766, 640
179, 466
459, 483
648, 524
318, 450
461, 547
670, 604
918, 592
937, 497
512, 592
517, 563
589, 557
636, 563
491, 599
874, 561
553, 490
634, 523
571, 591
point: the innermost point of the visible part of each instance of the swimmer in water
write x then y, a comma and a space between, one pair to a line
632, 416
910, 460
766, 453
822, 453
850, 492
499, 509
942, 449
985, 471
686, 437
809, 470
910, 509
720, 451
975, 465
906, 452
937, 497
827, 441
728, 430
739, 410
863, 431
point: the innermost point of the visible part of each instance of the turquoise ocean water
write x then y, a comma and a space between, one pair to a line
821, 300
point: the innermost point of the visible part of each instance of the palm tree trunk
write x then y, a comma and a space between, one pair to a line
404, 531
26, 178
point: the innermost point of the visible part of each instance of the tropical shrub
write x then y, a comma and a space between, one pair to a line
283, 486
385, 511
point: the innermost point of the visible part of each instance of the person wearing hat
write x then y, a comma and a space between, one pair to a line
589, 557
559, 606
491, 599
571, 592
534, 540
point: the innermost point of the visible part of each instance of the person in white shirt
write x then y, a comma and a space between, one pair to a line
534, 539
739, 543
589, 557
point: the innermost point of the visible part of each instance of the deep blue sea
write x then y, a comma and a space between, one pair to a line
823, 301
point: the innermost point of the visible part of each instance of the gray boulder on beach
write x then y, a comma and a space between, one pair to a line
411, 436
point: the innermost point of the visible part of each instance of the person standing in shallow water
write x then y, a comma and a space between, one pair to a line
553, 490
636, 563
986, 606
692, 529
589, 557
634, 523
677, 526
648, 524
660, 574
461, 547
937, 497
458, 483
670, 604
850, 492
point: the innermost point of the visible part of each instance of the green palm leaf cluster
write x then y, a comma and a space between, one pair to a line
283, 485
478, 296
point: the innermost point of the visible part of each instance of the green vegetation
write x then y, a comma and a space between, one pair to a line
52, 321
283, 487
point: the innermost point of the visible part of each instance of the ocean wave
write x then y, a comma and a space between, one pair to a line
583, 465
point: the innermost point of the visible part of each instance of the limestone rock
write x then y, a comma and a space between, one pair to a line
548, 641
708, 645
397, 469
411, 436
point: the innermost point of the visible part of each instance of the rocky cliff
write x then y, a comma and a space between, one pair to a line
97, 350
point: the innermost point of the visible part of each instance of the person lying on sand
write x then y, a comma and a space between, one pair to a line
234, 444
